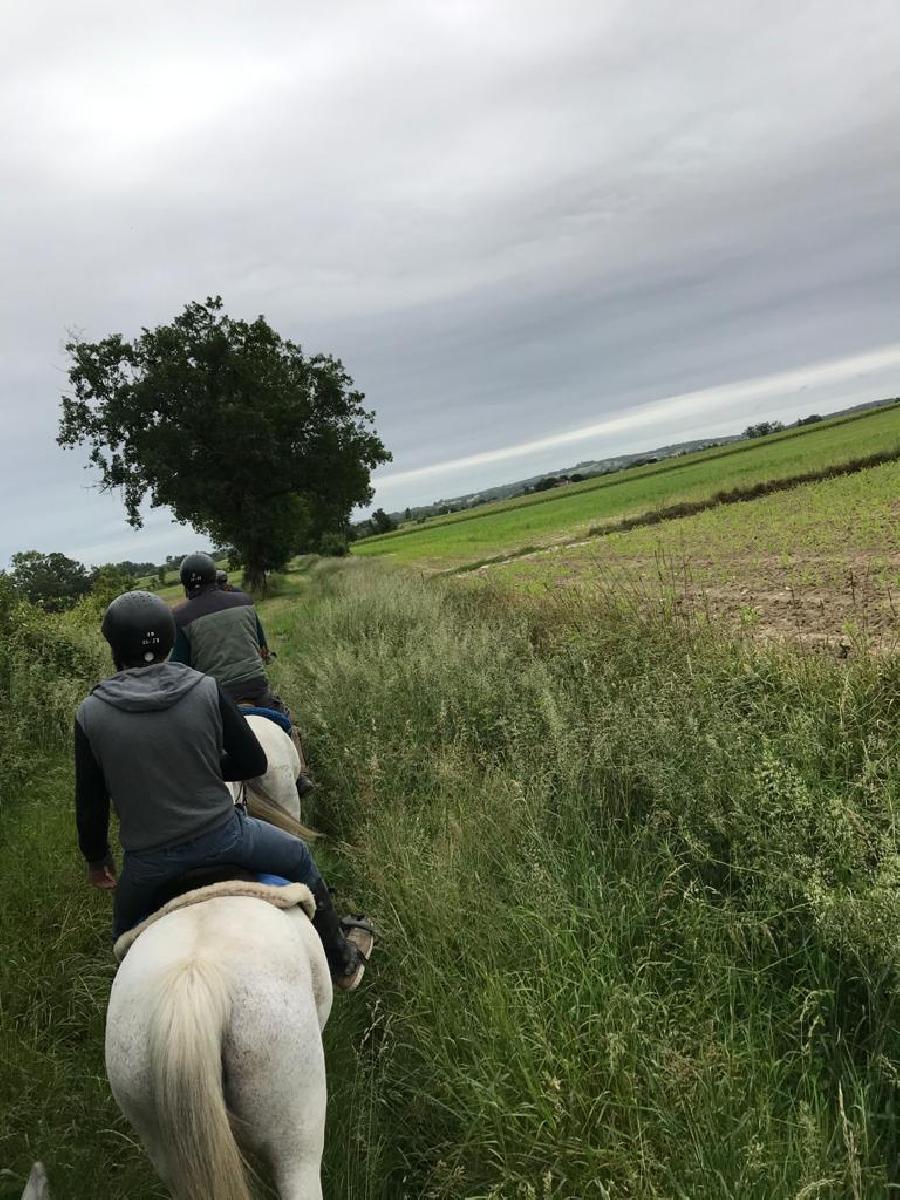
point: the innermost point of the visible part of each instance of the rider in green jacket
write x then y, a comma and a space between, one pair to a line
220, 634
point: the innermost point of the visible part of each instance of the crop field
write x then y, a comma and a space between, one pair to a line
589, 485
821, 560
567, 512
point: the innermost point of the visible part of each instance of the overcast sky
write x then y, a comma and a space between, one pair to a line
535, 232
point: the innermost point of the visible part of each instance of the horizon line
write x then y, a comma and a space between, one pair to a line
684, 403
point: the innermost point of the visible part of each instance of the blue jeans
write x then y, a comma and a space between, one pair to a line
240, 841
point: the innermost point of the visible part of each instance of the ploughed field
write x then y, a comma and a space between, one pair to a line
732, 533
820, 561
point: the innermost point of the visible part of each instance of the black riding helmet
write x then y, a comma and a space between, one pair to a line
197, 570
140, 629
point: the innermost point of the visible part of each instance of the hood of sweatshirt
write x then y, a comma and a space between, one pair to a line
148, 689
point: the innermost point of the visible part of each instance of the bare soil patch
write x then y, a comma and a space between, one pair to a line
848, 604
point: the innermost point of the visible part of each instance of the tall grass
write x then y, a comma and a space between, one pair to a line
55, 961
636, 886
47, 662
638, 896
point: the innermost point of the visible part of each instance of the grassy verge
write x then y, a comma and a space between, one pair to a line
55, 973
55, 961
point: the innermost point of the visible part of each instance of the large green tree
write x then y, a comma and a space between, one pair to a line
54, 581
228, 424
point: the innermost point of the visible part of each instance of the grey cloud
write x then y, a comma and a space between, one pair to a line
507, 219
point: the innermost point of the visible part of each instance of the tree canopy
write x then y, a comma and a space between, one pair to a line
382, 522
51, 580
763, 428
230, 425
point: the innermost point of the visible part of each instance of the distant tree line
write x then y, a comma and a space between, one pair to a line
379, 522
56, 582
763, 428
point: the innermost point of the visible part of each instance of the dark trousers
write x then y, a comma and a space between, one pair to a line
240, 841
256, 692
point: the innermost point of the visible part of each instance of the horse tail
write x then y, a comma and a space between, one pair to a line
186, 1035
264, 808
37, 1187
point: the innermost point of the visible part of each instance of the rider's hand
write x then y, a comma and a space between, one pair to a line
102, 876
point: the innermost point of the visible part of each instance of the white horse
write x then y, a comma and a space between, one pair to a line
273, 797
214, 1026
214, 1041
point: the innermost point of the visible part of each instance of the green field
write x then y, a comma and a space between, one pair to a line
571, 511
816, 525
588, 485
820, 559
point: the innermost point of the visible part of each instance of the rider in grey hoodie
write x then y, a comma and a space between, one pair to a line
174, 789
159, 740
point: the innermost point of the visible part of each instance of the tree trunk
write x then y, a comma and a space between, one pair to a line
255, 578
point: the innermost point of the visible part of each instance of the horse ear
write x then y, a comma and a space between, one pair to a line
37, 1187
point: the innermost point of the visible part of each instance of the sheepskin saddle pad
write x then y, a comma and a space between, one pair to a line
291, 895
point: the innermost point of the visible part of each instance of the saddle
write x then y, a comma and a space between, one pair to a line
210, 883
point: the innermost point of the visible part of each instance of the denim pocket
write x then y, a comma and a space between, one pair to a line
226, 839
205, 846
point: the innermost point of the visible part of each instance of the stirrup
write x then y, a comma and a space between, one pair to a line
358, 922
360, 933
304, 784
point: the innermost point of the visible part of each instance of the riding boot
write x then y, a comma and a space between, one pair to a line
298, 746
326, 923
304, 781
347, 953
304, 785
